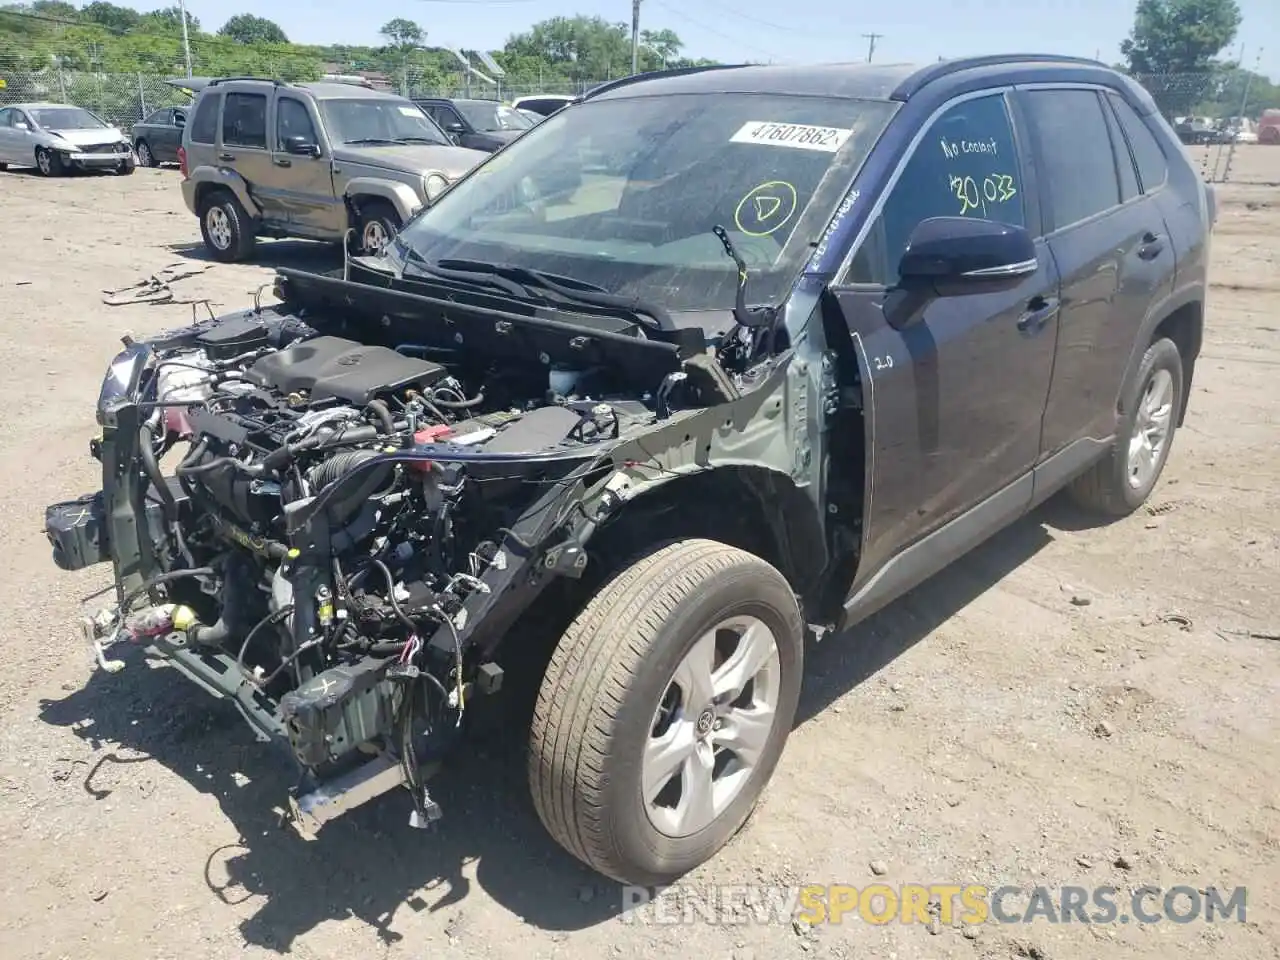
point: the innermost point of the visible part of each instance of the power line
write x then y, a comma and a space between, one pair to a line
712, 30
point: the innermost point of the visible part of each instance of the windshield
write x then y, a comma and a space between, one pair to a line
379, 121
491, 116
65, 118
624, 194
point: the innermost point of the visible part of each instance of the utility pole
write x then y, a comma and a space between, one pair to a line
871, 39
186, 43
635, 37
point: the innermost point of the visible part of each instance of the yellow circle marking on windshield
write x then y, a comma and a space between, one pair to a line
766, 208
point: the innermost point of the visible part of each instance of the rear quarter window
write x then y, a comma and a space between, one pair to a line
1153, 168
204, 127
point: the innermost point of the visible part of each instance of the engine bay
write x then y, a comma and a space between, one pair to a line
309, 507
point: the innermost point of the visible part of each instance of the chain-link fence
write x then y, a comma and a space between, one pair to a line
1226, 117
123, 99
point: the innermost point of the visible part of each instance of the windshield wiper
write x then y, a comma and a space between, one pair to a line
424, 140
375, 140
750, 318
565, 288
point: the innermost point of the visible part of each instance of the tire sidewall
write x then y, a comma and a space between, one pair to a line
742, 590
230, 208
1161, 355
145, 157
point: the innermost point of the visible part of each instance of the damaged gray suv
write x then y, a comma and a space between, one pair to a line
704, 364
263, 158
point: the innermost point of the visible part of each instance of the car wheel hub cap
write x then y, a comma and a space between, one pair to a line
219, 228
375, 237
710, 730
1151, 429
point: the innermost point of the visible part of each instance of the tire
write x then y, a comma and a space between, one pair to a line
225, 227
1116, 486
145, 157
126, 168
377, 221
3, 167
50, 163
606, 692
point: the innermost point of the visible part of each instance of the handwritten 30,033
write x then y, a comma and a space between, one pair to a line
995, 188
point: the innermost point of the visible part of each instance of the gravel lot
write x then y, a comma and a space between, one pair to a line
1066, 706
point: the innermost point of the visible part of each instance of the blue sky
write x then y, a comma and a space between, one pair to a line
826, 30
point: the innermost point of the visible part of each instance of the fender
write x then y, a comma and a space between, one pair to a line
400, 195
1178, 299
204, 177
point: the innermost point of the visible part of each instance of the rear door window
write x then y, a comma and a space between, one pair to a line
1075, 154
1153, 168
204, 128
244, 120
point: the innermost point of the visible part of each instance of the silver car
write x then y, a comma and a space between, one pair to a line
56, 138
264, 158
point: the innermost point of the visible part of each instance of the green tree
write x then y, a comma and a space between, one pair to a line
249, 28
169, 20
1173, 45
55, 9
114, 18
402, 34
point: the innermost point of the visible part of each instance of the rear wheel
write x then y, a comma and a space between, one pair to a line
1121, 482
225, 227
376, 224
664, 710
145, 157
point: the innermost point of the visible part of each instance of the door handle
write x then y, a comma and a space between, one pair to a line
1040, 310
1152, 246
283, 162
226, 156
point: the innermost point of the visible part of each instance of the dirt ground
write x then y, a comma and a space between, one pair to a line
1063, 700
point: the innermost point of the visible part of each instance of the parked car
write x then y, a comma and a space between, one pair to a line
544, 104
263, 158
56, 138
158, 138
1269, 127
814, 334
1198, 131
479, 124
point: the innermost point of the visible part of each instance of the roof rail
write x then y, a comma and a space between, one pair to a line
942, 68
656, 75
278, 83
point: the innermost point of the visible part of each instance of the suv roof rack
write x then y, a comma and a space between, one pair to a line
278, 83
943, 68
656, 75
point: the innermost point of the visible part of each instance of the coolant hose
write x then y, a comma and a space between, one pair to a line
383, 414
147, 453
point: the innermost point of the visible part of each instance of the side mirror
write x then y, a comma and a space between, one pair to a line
19, 125
301, 147
955, 256
455, 128
179, 120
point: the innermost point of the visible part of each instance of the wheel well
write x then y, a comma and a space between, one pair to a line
206, 190
755, 509
1185, 327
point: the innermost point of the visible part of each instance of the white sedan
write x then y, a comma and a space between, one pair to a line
56, 138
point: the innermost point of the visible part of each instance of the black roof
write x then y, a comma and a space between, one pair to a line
866, 81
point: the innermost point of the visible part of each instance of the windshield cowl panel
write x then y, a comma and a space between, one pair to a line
624, 194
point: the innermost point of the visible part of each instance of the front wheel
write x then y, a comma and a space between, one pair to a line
664, 710
376, 224
50, 163
145, 156
1122, 480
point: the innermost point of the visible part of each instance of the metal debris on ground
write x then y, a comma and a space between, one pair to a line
156, 288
